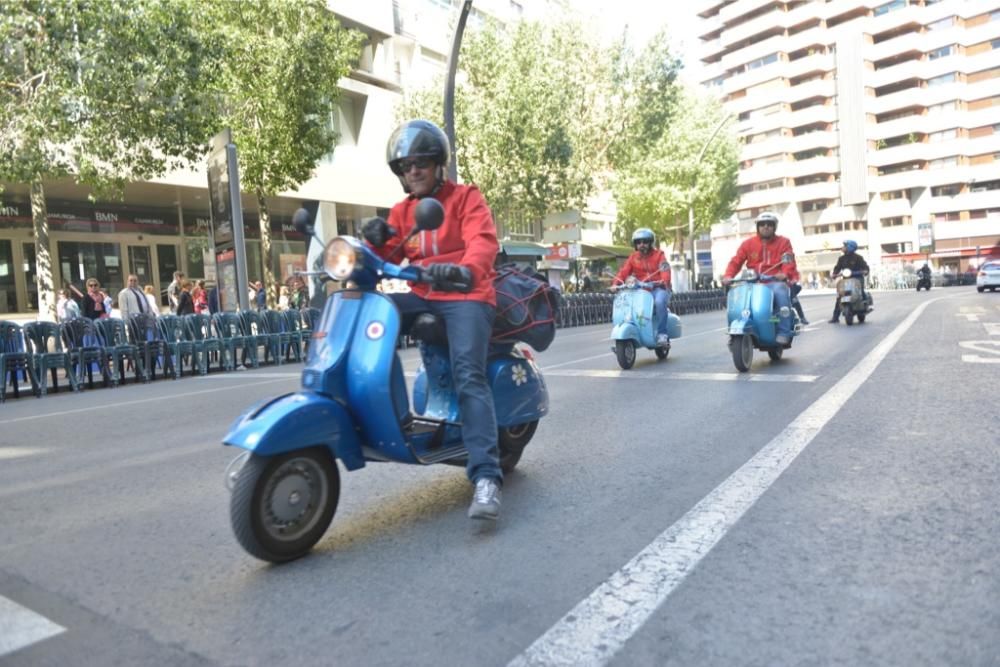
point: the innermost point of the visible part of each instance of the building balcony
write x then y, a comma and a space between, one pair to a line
824, 190
967, 228
819, 139
914, 178
967, 201
816, 165
893, 208
909, 152
763, 198
734, 10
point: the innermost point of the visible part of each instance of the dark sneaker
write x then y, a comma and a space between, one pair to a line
804, 321
783, 339
662, 340
485, 500
835, 320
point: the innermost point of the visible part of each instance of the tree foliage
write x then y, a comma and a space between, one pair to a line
102, 91
528, 108
658, 185
279, 87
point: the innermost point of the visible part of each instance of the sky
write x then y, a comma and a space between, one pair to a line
644, 19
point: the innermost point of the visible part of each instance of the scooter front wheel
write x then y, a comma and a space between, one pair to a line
282, 505
742, 349
625, 351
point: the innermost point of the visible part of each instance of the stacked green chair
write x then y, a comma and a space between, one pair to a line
86, 350
44, 340
15, 361
152, 345
233, 337
258, 334
207, 343
121, 349
297, 334
174, 332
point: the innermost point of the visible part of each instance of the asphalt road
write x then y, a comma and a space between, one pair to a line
836, 507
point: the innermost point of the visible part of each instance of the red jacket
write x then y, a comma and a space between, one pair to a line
467, 237
764, 258
651, 268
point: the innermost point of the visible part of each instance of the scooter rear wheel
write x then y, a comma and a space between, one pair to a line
282, 505
511, 441
742, 349
775, 354
849, 317
625, 351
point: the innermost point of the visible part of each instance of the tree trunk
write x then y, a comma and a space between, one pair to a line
270, 284
43, 262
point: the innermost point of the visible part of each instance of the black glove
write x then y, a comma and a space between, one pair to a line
377, 232
450, 273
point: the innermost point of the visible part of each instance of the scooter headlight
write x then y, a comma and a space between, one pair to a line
339, 259
630, 282
846, 273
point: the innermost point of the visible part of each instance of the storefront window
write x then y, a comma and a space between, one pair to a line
79, 261
8, 292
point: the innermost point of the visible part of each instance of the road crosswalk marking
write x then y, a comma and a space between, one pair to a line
21, 627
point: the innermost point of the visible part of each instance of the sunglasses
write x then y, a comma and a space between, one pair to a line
419, 163
766, 224
92, 285
644, 242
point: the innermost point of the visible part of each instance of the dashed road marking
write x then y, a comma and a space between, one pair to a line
21, 627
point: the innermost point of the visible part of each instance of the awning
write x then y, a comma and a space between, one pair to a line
592, 251
524, 249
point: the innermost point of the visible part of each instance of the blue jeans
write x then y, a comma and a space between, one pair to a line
782, 299
469, 325
661, 307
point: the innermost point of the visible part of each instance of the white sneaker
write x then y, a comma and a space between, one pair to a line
662, 340
485, 500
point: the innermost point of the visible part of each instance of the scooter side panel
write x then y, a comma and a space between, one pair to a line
519, 391
370, 378
737, 301
634, 308
625, 331
297, 421
674, 328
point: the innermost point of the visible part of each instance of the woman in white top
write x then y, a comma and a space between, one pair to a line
151, 300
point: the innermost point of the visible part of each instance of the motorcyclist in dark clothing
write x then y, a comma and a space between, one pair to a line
924, 271
858, 266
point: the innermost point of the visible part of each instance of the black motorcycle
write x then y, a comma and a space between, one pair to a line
923, 282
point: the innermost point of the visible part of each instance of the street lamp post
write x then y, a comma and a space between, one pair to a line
701, 154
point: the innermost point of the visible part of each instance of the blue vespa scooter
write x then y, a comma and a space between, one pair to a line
633, 324
753, 321
353, 404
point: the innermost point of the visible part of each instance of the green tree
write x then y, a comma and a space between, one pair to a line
656, 188
102, 91
529, 106
279, 80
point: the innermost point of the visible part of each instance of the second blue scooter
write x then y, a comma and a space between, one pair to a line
633, 322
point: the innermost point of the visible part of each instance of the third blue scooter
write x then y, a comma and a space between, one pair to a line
633, 323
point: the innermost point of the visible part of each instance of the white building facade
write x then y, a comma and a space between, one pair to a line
867, 120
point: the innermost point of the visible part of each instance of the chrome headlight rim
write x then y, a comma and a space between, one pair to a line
339, 259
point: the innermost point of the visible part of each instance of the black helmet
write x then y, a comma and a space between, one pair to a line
767, 216
643, 234
417, 138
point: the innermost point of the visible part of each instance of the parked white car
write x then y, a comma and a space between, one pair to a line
988, 277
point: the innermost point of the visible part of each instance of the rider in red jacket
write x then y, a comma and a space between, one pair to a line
649, 264
769, 255
466, 242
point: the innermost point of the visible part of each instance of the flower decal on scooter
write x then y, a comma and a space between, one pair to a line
519, 374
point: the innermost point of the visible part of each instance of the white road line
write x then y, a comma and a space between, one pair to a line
18, 452
668, 375
119, 404
20, 627
241, 375
597, 628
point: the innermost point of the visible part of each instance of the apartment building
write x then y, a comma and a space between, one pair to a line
163, 225
875, 120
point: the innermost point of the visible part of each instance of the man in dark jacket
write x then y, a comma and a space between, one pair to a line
465, 244
859, 269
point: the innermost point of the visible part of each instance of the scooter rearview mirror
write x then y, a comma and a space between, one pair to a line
302, 222
429, 214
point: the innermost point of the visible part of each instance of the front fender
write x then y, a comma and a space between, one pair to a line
296, 421
625, 331
739, 327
